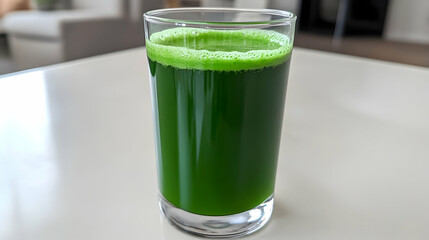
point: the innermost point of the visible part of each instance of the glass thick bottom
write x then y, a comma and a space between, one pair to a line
235, 225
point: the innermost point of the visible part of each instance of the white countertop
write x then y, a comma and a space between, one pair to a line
77, 154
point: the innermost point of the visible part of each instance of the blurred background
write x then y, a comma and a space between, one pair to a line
35, 33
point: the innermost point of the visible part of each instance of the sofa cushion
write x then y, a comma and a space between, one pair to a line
45, 24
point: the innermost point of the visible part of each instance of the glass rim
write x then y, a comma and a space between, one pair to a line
155, 16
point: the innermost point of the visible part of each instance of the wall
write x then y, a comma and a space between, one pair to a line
408, 21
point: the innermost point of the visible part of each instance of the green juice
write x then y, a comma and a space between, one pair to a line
218, 102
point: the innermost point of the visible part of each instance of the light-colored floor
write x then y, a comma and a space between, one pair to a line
369, 47
6, 64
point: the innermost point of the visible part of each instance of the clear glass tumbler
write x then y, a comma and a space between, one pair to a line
218, 82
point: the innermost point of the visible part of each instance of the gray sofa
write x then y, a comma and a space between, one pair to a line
39, 38
1, 26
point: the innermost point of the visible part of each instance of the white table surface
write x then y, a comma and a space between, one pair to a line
77, 154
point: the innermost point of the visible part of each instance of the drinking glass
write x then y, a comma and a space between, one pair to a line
218, 85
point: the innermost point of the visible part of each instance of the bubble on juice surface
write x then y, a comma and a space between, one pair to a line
261, 48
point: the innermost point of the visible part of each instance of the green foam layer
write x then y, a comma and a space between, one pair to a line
220, 50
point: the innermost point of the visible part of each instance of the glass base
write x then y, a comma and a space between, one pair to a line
235, 225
